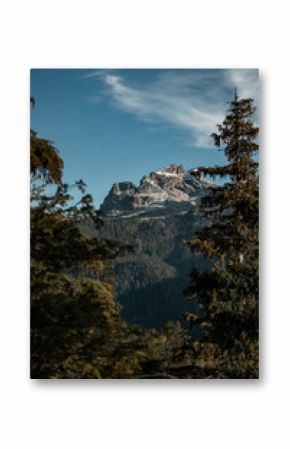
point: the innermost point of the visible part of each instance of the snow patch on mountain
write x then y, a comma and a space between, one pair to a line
170, 188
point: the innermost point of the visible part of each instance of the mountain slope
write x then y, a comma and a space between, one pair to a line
154, 217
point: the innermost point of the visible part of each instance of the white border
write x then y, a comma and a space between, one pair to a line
152, 414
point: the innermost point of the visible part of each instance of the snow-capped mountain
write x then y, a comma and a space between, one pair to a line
169, 190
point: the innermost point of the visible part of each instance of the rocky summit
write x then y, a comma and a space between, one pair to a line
166, 191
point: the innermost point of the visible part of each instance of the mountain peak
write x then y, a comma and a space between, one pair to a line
172, 169
167, 189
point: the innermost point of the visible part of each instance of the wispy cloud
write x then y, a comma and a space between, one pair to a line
247, 82
189, 100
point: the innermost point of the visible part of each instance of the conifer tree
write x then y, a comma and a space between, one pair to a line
72, 298
76, 327
228, 291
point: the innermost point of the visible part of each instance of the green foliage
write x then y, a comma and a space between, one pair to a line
228, 291
76, 327
150, 280
45, 162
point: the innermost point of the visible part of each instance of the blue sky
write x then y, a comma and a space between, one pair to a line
116, 125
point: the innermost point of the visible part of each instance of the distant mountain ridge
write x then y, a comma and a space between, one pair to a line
164, 191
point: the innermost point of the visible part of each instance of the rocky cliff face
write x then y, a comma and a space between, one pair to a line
157, 195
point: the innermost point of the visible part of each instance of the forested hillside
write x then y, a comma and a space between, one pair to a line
151, 279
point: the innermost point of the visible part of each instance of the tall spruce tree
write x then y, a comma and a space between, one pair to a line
228, 291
